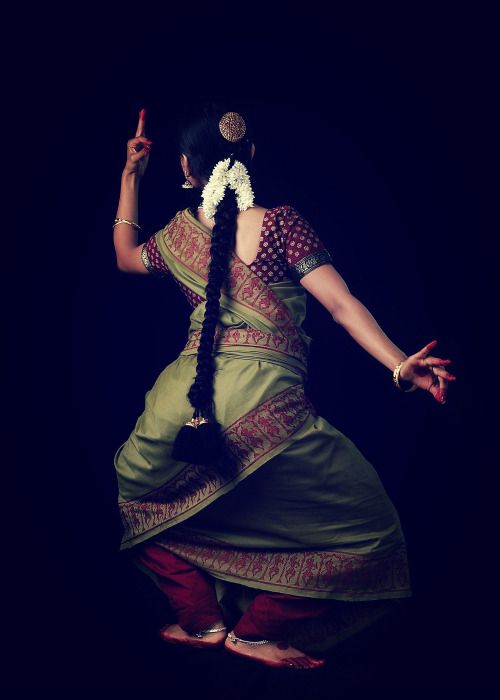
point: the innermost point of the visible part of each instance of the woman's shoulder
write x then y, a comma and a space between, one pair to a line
282, 209
287, 218
284, 214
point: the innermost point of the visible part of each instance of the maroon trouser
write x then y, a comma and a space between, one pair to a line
192, 597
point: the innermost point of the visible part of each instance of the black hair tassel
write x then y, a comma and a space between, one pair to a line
199, 441
210, 440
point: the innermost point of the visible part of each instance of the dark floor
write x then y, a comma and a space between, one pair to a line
99, 637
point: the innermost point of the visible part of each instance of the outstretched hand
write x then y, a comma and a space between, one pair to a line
138, 149
427, 372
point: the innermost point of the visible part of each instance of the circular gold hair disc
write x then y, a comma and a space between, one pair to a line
232, 126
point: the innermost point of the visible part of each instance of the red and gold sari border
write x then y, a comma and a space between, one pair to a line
318, 571
252, 337
251, 438
188, 241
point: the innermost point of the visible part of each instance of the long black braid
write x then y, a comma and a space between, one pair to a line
203, 143
200, 394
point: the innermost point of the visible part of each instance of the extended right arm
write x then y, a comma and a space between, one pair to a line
426, 371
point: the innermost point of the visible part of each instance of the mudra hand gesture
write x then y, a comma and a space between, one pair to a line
427, 372
138, 149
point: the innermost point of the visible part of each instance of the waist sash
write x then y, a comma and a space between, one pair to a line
254, 343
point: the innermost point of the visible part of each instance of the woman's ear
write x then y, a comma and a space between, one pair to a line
184, 162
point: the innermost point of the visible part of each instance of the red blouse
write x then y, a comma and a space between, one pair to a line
289, 248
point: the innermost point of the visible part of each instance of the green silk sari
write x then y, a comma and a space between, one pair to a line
306, 513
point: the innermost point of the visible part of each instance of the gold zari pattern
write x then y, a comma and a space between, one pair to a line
311, 262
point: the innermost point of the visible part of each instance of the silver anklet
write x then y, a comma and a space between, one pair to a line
236, 639
212, 629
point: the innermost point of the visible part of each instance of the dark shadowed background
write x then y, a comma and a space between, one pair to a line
378, 128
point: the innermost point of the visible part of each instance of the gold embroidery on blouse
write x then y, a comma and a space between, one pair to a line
145, 259
148, 264
311, 262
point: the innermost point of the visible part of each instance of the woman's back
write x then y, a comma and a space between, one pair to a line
276, 244
249, 225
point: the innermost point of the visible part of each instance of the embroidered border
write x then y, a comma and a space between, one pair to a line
150, 267
338, 572
250, 438
190, 245
311, 262
145, 259
254, 338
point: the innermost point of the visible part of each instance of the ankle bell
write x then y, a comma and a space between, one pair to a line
236, 639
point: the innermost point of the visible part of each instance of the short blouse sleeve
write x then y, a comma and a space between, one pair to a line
304, 250
152, 258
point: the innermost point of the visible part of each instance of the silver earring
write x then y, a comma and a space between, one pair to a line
187, 185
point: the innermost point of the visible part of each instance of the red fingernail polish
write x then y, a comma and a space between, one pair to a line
142, 113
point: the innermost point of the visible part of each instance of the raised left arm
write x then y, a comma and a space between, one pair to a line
128, 253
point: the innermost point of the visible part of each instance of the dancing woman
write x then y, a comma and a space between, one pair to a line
244, 506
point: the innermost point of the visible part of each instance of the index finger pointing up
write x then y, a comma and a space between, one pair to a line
141, 126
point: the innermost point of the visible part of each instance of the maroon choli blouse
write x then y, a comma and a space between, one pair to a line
289, 248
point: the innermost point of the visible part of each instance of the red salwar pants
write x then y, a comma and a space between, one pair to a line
193, 600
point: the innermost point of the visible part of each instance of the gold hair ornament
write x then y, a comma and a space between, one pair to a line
232, 126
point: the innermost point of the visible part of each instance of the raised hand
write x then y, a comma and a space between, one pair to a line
427, 372
138, 149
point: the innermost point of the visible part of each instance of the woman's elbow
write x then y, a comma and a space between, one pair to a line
341, 309
121, 265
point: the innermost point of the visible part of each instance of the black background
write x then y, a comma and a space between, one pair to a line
379, 129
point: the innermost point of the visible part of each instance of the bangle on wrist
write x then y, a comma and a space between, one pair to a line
126, 221
397, 380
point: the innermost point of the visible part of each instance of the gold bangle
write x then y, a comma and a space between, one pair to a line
395, 376
126, 221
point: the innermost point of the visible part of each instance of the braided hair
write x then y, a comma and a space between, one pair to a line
203, 143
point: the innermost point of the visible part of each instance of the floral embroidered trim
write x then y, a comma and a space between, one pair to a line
254, 338
148, 264
311, 262
354, 575
250, 438
190, 245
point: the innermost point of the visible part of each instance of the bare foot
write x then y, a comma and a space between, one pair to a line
275, 654
174, 634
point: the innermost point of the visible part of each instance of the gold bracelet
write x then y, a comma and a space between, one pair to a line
126, 221
395, 376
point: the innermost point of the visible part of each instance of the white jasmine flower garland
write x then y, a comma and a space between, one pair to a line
237, 178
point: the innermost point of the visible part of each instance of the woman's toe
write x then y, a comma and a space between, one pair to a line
297, 661
303, 662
